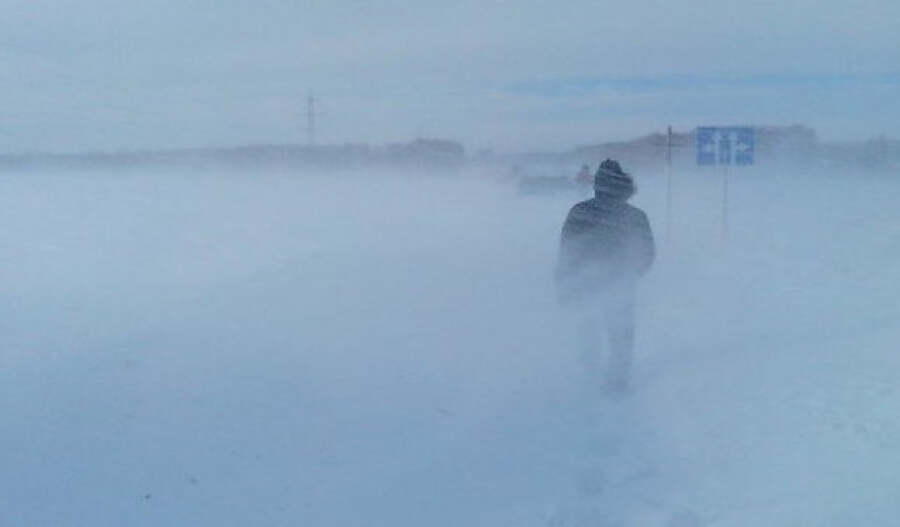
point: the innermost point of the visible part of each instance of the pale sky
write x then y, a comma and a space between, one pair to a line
110, 75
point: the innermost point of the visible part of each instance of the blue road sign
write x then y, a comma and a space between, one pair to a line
744, 145
733, 145
724, 149
706, 146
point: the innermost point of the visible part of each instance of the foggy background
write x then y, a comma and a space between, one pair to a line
285, 337
106, 75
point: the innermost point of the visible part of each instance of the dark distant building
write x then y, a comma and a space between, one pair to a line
428, 151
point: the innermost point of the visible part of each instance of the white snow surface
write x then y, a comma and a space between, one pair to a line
370, 349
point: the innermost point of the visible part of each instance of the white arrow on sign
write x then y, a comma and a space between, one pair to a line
738, 145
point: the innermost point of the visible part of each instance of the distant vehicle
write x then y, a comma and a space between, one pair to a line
584, 176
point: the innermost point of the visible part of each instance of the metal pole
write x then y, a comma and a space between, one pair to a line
310, 120
725, 203
669, 184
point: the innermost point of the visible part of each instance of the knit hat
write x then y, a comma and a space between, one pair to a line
612, 181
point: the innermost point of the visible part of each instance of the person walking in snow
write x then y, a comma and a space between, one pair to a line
605, 247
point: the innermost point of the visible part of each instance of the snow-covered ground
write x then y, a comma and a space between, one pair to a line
363, 349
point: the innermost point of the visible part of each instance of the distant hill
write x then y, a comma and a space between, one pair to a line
421, 152
773, 143
796, 144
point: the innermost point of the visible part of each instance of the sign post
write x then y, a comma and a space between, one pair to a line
724, 146
669, 184
725, 202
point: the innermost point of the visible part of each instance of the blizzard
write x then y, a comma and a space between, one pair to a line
373, 348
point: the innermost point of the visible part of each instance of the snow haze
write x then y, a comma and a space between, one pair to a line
211, 318
369, 348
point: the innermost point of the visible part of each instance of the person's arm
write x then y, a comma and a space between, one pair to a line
646, 244
564, 260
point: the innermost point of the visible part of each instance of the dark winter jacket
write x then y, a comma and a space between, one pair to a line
606, 245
